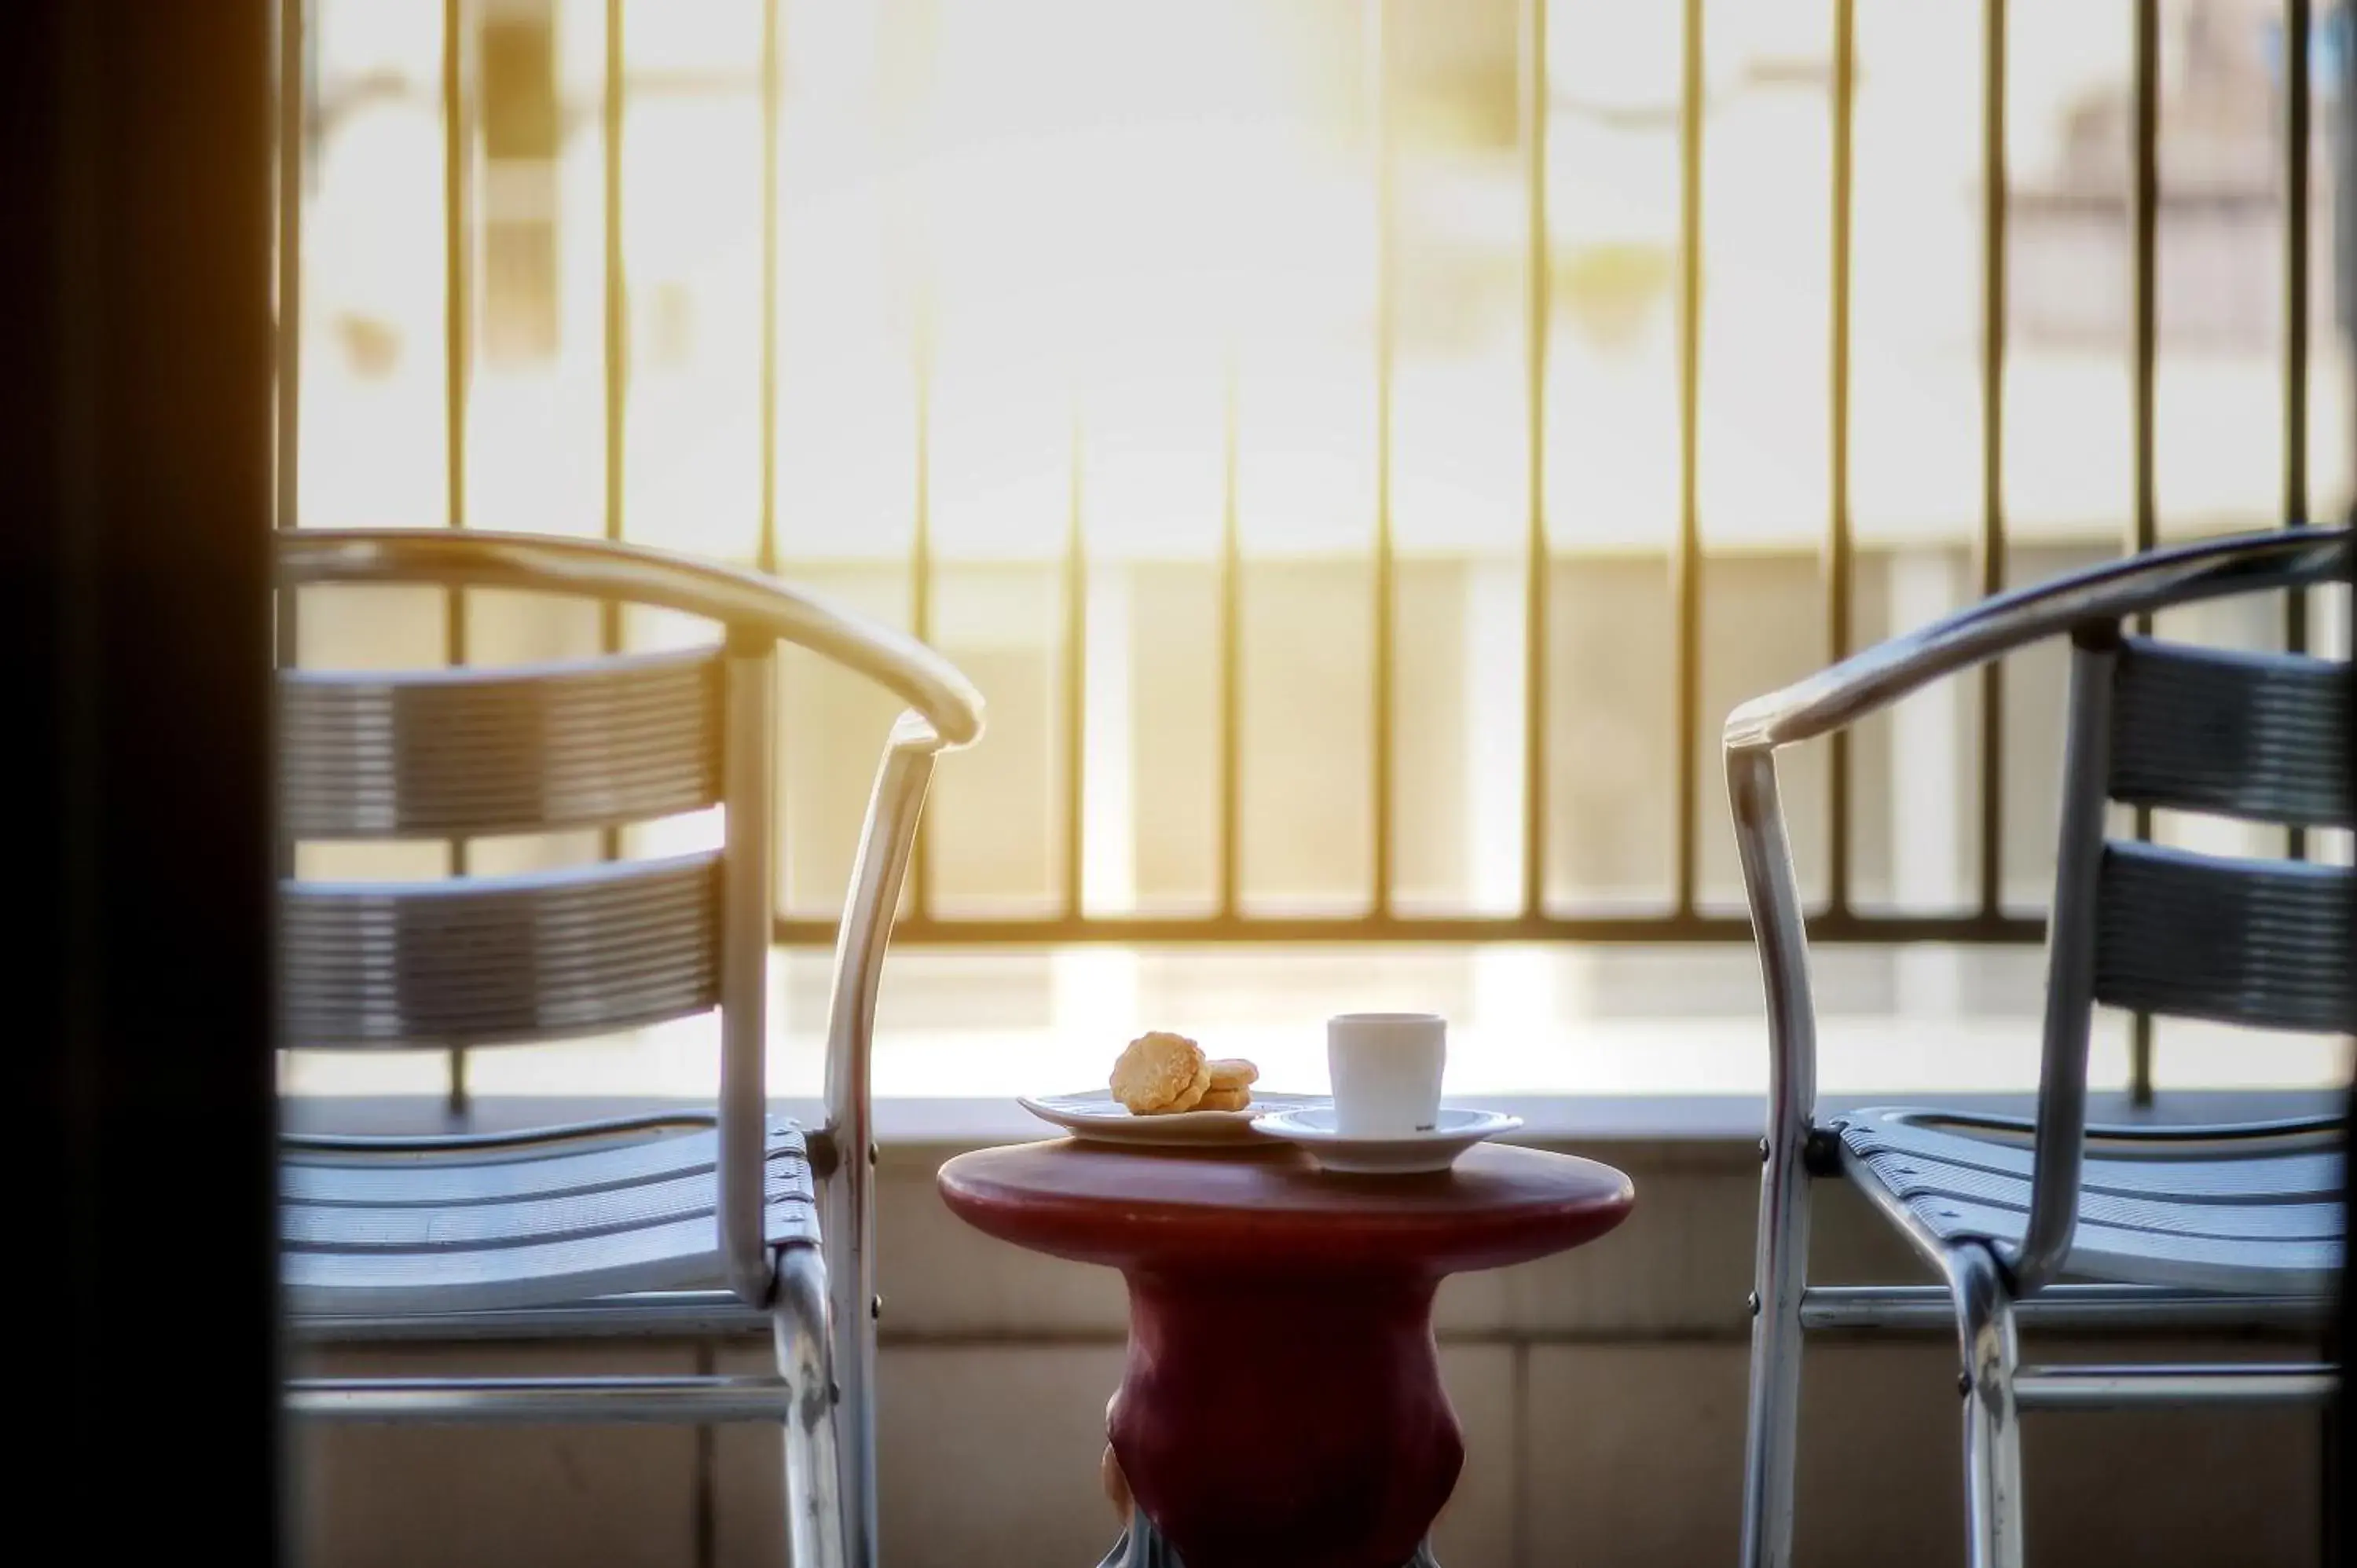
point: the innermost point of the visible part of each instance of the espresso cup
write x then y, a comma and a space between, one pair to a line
1385, 1070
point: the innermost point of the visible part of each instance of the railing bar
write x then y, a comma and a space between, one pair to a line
2143, 305
292, 119
457, 304
613, 284
766, 550
1826, 926
1076, 634
1839, 568
2298, 25
1231, 590
2145, 213
457, 308
1689, 562
1537, 565
289, 324
771, 92
921, 565
1384, 588
1990, 547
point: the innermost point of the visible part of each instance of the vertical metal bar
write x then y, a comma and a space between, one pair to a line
289, 343
1386, 308
457, 210
1076, 634
2145, 218
749, 707
1990, 547
291, 118
2299, 82
2058, 1147
1687, 567
457, 304
1538, 566
2299, 27
921, 562
1230, 653
616, 336
765, 555
771, 92
2145, 214
1839, 568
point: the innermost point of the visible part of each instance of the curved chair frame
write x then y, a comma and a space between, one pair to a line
1986, 1277
821, 1299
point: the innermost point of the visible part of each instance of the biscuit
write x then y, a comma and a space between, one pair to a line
1225, 1099
1158, 1071
1191, 1096
1231, 1073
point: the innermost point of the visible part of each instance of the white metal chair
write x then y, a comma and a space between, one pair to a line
2153, 1226
621, 1227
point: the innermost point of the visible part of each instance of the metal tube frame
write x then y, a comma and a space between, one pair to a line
1992, 1354
1926, 1308
846, 1153
750, 703
1982, 1287
471, 1401
2248, 1385
669, 1315
816, 1516
2058, 1142
1774, 1424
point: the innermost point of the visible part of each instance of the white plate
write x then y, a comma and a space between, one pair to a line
1097, 1114
1458, 1130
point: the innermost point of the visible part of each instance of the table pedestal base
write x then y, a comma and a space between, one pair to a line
1142, 1546
1285, 1421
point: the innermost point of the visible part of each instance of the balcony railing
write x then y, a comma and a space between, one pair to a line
480, 101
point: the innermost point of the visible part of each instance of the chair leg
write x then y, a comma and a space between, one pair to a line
805, 1358
1772, 1433
1993, 1526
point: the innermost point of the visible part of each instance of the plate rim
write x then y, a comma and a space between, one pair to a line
1492, 1123
1042, 1106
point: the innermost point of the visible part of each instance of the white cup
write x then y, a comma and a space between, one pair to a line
1385, 1068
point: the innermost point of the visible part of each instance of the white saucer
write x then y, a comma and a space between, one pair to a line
1458, 1130
1095, 1114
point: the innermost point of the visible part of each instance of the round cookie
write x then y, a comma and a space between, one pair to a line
1192, 1098
1231, 1073
1158, 1071
1225, 1099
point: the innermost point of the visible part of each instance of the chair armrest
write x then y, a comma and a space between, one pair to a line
1864, 682
739, 598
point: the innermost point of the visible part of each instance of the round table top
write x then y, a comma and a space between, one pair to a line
1271, 1208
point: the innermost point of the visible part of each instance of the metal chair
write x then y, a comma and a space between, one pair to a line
2154, 1225
621, 1226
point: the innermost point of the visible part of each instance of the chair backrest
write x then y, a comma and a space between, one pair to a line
463, 753
2261, 737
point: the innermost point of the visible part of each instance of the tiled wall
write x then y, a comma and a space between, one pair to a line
1602, 1397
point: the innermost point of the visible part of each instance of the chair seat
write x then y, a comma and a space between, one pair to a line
399, 1225
2245, 1211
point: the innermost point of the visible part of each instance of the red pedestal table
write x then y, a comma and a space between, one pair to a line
1282, 1403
